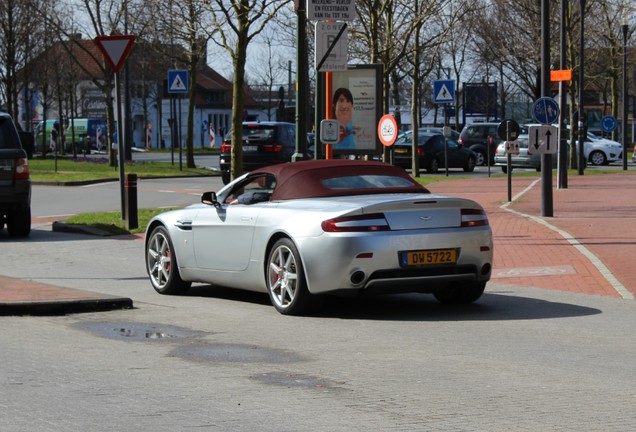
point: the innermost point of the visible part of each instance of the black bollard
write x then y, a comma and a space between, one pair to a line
130, 189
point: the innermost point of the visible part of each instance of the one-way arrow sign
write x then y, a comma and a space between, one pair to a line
543, 139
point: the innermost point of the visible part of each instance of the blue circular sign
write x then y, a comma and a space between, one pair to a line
609, 124
545, 110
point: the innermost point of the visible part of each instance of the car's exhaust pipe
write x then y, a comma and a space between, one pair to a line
357, 277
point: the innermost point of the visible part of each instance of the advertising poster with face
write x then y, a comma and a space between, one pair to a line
356, 104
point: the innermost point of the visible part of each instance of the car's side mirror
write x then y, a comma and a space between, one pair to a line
209, 198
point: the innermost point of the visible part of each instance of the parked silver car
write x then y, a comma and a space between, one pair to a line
302, 229
521, 160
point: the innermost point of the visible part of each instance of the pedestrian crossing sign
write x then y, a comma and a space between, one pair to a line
444, 91
178, 81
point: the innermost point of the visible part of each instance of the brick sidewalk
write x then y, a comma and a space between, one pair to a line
588, 246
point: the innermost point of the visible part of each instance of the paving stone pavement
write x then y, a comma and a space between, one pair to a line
586, 246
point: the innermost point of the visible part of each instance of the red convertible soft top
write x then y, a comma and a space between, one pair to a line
304, 179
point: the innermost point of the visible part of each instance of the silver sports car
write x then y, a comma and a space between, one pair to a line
303, 229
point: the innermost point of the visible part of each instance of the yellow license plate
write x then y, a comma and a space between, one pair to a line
429, 257
401, 150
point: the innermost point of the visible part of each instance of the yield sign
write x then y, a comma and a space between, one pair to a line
115, 49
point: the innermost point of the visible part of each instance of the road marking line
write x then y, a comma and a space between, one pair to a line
596, 262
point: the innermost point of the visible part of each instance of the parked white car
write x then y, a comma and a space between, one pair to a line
601, 151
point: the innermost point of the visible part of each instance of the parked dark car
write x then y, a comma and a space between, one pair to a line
264, 143
15, 181
475, 137
431, 153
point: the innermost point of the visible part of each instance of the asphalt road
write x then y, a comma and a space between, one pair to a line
522, 359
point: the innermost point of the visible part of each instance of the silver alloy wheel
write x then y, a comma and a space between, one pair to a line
159, 260
598, 158
283, 279
481, 158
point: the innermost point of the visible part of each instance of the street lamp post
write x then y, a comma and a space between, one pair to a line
581, 125
625, 28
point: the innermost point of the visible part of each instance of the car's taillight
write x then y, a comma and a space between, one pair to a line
474, 217
21, 169
226, 147
420, 151
361, 223
460, 140
273, 148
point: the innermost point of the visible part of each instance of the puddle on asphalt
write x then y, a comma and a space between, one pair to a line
138, 331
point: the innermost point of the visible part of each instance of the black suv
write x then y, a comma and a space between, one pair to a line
475, 137
264, 143
15, 181
432, 154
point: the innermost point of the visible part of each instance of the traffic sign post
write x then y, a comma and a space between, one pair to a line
507, 130
331, 10
331, 46
545, 110
116, 49
329, 131
387, 130
609, 124
543, 139
444, 91
178, 81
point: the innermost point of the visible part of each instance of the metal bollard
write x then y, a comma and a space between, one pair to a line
130, 189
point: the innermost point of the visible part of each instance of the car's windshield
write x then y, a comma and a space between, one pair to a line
365, 182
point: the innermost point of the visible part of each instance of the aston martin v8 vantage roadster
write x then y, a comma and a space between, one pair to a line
303, 229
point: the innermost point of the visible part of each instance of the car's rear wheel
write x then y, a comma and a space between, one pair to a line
461, 293
505, 169
286, 279
19, 222
470, 164
481, 158
598, 158
161, 263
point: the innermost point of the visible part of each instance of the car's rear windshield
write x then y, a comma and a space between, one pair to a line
365, 182
260, 132
8, 135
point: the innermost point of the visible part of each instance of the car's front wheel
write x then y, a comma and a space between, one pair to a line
470, 164
286, 279
161, 264
480, 158
460, 293
598, 158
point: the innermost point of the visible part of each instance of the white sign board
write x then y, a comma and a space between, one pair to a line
331, 10
543, 139
512, 147
329, 131
326, 38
